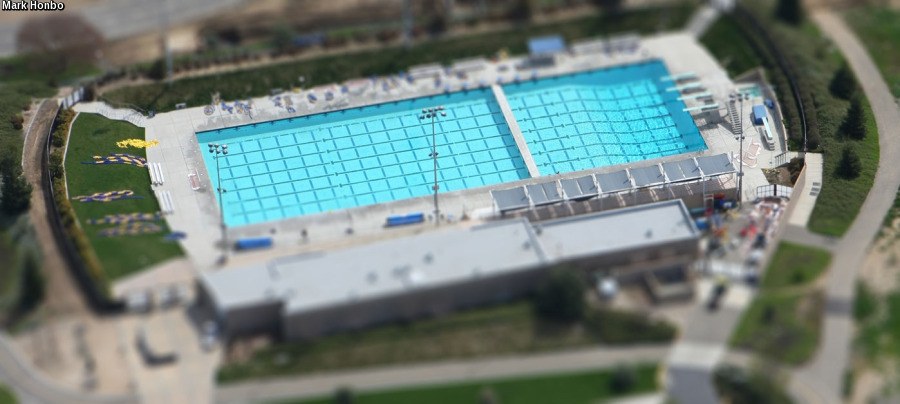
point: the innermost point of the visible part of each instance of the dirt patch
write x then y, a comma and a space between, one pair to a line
63, 294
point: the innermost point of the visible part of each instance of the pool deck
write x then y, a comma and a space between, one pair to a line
197, 214
516, 131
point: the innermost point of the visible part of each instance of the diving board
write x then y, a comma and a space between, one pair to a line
706, 94
688, 86
678, 77
701, 108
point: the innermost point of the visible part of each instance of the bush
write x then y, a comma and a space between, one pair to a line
843, 83
17, 121
32, 286
621, 327
849, 166
56, 164
15, 193
623, 379
343, 395
855, 122
157, 70
790, 11
561, 298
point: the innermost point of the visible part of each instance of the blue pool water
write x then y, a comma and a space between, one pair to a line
361, 156
381, 153
602, 117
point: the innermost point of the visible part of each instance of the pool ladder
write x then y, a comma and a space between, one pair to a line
736, 124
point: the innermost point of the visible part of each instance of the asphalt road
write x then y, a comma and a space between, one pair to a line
825, 373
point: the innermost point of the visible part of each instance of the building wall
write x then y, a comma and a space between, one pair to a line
416, 304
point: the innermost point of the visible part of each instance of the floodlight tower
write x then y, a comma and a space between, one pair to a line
220, 151
432, 113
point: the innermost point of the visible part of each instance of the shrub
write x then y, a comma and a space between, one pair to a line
56, 164
343, 395
843, 83
623, 379
15, 193
790, 11
561, 298
16, 121
855, 122
32, 285
849, 166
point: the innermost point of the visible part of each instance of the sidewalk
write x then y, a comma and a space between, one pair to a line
403, 376
806, 197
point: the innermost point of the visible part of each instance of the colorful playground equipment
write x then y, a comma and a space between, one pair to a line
138, 143
119, 158
130, 229
107, 196
123, 218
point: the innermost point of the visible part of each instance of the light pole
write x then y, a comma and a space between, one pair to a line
219, 151
433, 113
740, 184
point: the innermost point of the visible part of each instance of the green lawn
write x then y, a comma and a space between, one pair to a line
490, 331
879, 332
879, 30
783, 321
95, 135
332, 69
7, 396
795, 264
816, 59
574, 388
781, 326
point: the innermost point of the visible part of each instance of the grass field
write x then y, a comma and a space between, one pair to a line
7, 396
334, 69
879, 30
498, 330
812, 54
574, 388
794, 264
783, 321
95, 135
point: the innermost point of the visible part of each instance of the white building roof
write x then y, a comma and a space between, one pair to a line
310, 281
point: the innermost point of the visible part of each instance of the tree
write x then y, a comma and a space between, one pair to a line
623, 379
57, 41
15, 193
32, 285
855, 121
849, 166
522, 10
561, 298
790, 11
343, 395
843, 83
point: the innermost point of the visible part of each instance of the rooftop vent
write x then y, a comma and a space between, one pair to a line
429, 257
372, 277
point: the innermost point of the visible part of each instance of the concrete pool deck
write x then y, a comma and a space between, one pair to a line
196, 211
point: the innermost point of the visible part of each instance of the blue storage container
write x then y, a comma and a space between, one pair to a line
253, 243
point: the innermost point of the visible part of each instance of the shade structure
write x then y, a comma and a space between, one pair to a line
544, 194
647, 176
510, 199
615, 181
719, 164
682, 170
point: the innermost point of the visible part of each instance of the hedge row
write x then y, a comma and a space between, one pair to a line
779, 65
64, 207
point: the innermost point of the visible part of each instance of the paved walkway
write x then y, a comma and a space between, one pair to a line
32, 387
437, 373
824, 374
801, 235
806, 197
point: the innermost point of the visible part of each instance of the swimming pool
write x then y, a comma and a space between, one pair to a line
602, 117
361, 156
381, 153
